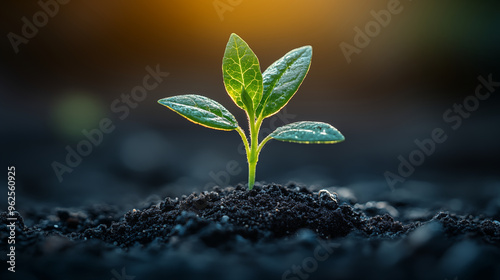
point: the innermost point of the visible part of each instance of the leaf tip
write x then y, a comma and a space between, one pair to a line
234, 36
162, 101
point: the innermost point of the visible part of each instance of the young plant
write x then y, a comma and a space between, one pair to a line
260, 95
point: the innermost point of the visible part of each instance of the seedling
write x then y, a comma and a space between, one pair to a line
260, 95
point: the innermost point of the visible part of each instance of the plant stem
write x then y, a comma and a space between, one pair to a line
252, 166
253, 147
262, 143
244, 139
253, 157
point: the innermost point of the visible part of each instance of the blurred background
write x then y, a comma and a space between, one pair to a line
64, 65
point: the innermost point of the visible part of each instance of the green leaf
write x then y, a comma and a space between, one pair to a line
241, 69
247, 101
282, 79
308, 133
201, 110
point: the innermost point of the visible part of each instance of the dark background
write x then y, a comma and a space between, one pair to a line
395, 91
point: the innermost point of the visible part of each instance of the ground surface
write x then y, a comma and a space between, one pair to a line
272, 232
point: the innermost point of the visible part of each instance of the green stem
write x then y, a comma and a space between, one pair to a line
253, 147
244, 138
253, 156
261, 145
252, 166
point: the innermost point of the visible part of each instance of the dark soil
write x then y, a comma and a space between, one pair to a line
271, 232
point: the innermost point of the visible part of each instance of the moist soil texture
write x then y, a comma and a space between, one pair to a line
271, 232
